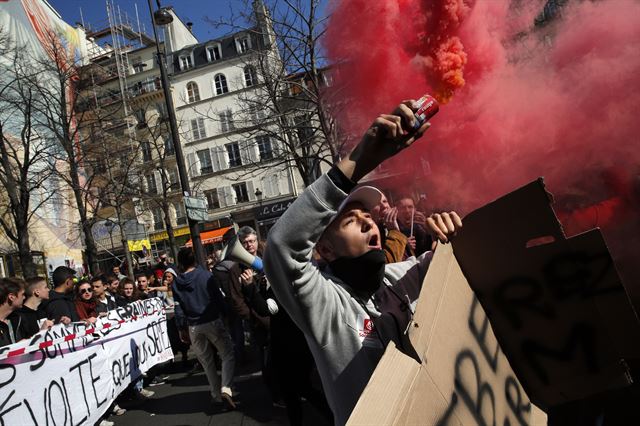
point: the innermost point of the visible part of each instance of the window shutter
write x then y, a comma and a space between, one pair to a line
215, 159
192, 163
202, 128
158, 179
244, 152
251, 191
223, 157
289, 183
275, 147
254, 151
145, 187
229, 195
222, 200
266, 190
275, 179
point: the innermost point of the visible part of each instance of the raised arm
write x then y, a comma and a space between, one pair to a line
300, 287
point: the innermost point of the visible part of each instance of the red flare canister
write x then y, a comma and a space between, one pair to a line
427, 108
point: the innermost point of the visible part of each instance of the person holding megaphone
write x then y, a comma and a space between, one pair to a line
240, 276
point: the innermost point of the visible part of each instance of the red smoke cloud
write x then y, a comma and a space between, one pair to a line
558, 100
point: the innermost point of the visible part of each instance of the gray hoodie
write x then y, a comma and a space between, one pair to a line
336, 320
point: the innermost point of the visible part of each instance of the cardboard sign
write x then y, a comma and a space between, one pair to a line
557, 305
461, 378
558, 310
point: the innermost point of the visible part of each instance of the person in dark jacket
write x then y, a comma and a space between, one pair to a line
11, 299
61, 308
290, 359
30, 318
199, 308
104, 301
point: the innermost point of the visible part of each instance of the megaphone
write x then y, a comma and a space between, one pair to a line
235, 252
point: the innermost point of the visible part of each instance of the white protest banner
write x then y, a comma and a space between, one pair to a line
72, 375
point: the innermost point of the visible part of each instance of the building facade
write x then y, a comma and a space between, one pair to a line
231, 159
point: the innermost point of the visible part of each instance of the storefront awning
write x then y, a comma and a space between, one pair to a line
210, 237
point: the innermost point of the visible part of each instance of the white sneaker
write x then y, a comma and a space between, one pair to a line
146, 393
106, 423
118, 411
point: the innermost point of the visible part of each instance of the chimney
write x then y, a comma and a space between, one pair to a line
190, 26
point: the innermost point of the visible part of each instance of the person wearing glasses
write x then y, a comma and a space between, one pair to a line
85, 302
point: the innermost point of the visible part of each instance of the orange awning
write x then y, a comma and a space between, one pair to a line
210, 237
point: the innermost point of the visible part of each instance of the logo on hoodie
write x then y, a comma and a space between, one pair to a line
365, 326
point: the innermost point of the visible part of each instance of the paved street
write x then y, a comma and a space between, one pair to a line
185, 400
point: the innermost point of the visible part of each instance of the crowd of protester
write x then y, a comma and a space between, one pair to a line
30, 306
325, 264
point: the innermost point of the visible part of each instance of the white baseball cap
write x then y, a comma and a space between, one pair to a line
368, 196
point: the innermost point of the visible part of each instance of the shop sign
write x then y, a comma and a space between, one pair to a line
139, 245
161, 236
272, 210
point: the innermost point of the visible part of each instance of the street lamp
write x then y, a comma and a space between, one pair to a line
259, 196
162, 16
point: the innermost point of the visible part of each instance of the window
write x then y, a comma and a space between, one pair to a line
226, 121
204, 156
242, 195
233, 151
186, 62
157, 220
243, 44
213, 200
141, 117
256, 114
161, 107
221, 84
193, 93
152, 188
168, 145
145, 146
303, 128
265, 148
214, 53
174, 182
271, 185
139, 67
181, 214
250, 77
197, 129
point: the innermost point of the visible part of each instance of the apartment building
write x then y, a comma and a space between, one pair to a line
230, 161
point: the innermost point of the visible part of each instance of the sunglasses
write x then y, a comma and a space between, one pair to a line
85, 290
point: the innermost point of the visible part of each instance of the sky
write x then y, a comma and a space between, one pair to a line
197, 11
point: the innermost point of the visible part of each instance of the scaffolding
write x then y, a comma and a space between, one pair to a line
111, 43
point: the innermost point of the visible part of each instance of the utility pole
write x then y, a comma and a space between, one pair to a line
163, 17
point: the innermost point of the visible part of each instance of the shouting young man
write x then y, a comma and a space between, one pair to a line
353, 308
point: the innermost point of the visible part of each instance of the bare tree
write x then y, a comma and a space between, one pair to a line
93, 129
289, 108
25, 152
159, 173
119, 184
